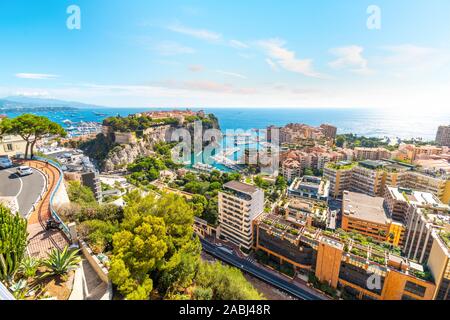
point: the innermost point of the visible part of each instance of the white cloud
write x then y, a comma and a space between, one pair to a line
350, 57
287, 59
170, 48
409, 58
272, 65
231, 74
36, 76
196, 33
238, 44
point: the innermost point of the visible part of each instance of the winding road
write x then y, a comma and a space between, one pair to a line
258, 272
26, 189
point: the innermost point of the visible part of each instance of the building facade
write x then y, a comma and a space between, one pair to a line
443, 136
239, 204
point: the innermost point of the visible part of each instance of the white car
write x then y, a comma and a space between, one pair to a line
5, 163
24, 171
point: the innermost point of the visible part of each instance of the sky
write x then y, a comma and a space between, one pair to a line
218, 53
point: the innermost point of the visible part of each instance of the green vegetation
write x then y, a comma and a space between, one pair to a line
29, 266
146, 169
221, 282
13, 243
353, 141
338, 166
155, 254
446, 237
205, 187
31, 128
368, 241
424, 275
322, 286
80, 194
61, 262
96, 223
134, 123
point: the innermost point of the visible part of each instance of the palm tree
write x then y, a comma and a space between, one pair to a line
61, 262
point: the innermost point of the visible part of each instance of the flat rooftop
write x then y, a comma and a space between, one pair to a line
241, 187
364, 207
414, 196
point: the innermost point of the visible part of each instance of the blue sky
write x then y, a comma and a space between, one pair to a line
252, 53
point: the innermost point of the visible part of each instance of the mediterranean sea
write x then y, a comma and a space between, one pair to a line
367, 122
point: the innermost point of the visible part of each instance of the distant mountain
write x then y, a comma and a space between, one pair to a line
47, 102
30, 104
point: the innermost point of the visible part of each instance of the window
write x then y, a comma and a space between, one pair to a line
9, 147
415, 288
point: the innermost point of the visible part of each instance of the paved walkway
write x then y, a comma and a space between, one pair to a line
41, 241
87, 284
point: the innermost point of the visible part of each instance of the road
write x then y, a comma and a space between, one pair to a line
258, 272
26, 189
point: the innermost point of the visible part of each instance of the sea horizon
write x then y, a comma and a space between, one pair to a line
361, 121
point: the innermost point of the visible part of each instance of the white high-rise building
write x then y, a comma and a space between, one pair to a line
239, 205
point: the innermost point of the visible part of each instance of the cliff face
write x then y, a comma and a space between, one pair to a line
111, 156
125, 154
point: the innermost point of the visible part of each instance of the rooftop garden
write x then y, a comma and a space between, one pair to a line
341, 165
445, 236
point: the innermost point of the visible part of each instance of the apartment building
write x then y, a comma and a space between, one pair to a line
371, 177
436, 182
310, 187
368, 216
422, 213
367, 177
341, 263
11, 145
239, 204
443, 136
329, 131
340, 177
371, 153
439, 264
306, 212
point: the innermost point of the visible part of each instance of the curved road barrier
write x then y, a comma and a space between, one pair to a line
42, 241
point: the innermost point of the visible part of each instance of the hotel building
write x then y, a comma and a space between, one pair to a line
239, 204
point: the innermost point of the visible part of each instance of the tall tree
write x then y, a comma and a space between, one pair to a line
31, 128
13, 242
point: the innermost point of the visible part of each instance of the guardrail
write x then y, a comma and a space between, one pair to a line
55, 215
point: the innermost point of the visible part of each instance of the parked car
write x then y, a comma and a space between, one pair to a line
5, 163
24, 171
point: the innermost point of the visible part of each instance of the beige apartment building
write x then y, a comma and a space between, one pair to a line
239, 205
340, 176
371, 177
12, 145
372, 153
422, 213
